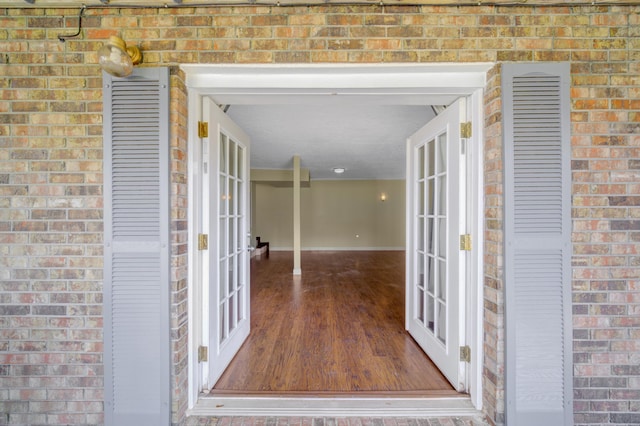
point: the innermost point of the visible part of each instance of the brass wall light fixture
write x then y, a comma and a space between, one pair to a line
118, 59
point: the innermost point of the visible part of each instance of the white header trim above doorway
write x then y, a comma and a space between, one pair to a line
385, 84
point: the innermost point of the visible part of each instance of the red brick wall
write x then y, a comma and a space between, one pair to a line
179, 240
51, 175
493, 370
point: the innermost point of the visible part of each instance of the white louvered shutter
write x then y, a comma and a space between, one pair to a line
137, 264
537, 194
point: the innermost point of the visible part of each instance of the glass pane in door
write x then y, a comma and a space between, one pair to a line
222, 237
223, 281
223, 195
223, 153
233, 199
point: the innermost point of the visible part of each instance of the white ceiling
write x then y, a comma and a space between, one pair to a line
367, 140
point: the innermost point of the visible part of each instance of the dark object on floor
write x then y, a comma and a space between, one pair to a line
260, 245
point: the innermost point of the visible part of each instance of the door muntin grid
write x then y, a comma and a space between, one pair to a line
430, 256
231, 232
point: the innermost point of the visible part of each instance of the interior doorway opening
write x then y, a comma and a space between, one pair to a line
351, 84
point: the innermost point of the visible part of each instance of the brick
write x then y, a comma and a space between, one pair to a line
14, 310
591, 418
269, 20
626, 370
625, 225
629, 418
48, 310
624, 201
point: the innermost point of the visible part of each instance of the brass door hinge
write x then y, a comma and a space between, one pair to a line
203, 129
203, 241
465, 130
203, 353
465, 242
465, 354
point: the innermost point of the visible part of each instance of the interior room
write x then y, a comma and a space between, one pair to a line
355, 156
353, 243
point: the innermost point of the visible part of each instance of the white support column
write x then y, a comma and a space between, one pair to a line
252, 210
297, 270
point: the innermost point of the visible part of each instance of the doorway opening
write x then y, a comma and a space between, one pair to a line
435, 85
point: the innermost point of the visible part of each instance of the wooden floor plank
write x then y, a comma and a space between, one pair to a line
338, 328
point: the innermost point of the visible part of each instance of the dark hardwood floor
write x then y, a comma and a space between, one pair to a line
339, 328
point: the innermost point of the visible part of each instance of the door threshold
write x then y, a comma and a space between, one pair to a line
443, 393
334, 406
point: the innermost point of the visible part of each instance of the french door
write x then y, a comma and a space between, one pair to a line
436, 215
226, 215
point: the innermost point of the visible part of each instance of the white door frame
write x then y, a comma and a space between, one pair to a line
409, 84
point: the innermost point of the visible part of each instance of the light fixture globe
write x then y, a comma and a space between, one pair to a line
117, 59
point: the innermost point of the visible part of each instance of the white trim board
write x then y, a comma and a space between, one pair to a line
334, 407
383, 84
